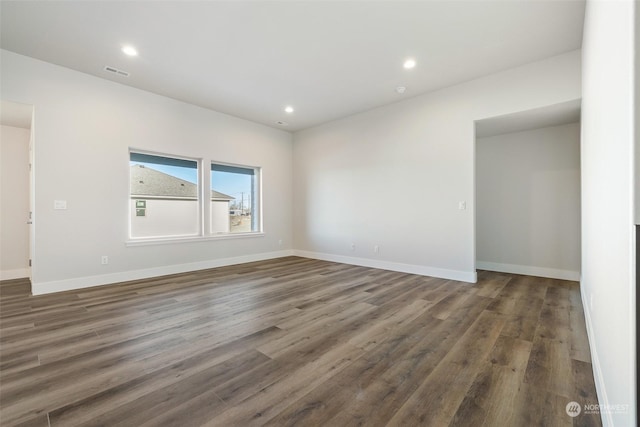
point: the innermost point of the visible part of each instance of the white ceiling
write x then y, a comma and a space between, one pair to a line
552, 115
328, 59
16, 115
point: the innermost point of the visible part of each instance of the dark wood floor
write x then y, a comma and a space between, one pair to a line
298, 342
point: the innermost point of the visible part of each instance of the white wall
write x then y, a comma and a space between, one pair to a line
165, 218
219, 217
528, 202
637, 109
84, 127
608, 278
14, 202
393, 176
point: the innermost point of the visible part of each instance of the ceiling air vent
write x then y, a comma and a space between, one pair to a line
116, 71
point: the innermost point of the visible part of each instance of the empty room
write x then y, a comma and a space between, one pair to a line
318, 213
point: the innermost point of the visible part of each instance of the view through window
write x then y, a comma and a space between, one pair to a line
234, 199
164, 196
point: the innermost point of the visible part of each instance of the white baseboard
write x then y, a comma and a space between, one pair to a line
19, 273
463, 276
603, 400
41, 288
527, 270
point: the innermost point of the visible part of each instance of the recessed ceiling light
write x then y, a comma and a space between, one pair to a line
401, 89
409, 63
129, 50
288, 109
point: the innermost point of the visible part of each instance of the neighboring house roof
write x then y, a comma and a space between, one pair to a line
216, 195
148, 182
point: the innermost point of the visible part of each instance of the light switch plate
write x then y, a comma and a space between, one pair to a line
59, 204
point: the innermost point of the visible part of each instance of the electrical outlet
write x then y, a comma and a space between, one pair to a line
353, 247
376, 249
280, 242
105, 260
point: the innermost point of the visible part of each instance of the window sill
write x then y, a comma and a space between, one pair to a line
191, 239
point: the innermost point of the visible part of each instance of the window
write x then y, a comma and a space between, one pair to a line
235, 199
168, 199
163, 196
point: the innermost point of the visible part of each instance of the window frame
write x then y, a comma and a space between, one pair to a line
256, 203
199, 193
204, 209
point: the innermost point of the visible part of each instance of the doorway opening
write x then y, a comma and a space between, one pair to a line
527, 175
16, 192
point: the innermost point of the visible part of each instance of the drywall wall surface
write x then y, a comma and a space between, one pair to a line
394, 177
84, 127
637, 110
14, 202
528, 202
608, 254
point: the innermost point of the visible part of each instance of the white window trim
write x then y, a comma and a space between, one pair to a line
258, 195
201, 214
204, 188
148, 241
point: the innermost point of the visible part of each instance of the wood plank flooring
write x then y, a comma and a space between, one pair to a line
296, 342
